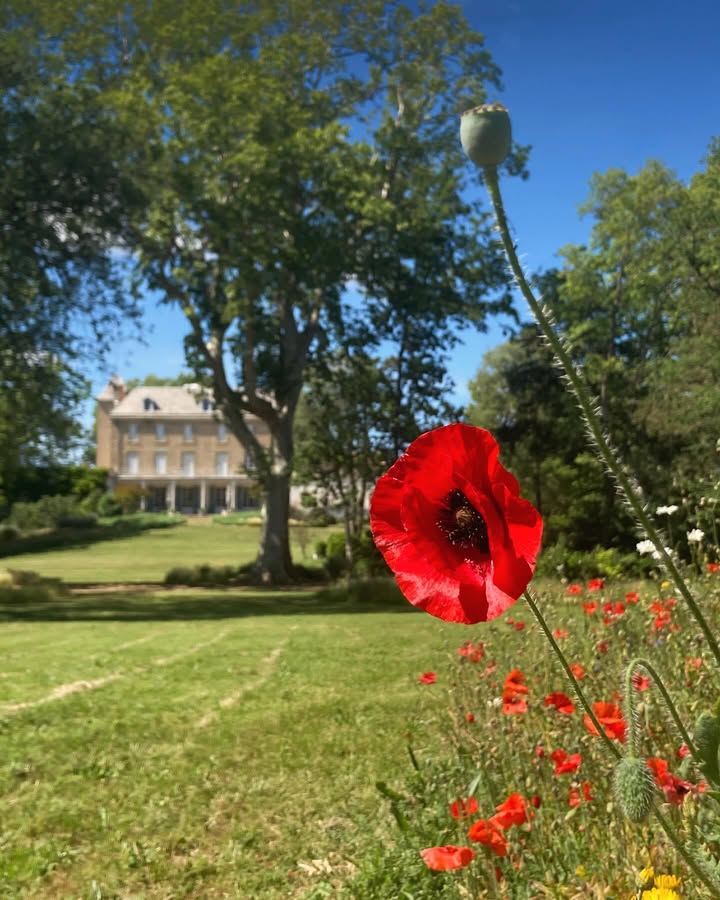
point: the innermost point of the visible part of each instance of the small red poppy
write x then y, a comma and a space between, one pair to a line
595, 584
577, 670
610, 717
561, 702
443, 859
632, 597
640, 682
489, 833
428, 678
674, 788
590, 607
561, 633
463, 809
713, 568
515, 705
574, 590
469, 717
512, 812
565, 764
451, 524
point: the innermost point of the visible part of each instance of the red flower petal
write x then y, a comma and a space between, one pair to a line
561, 702
611, 719
463, 809
440, 566
489, 833
443, 859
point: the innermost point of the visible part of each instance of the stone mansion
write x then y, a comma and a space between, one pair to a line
172, 443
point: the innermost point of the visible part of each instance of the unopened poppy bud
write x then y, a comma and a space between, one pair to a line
707, 741
486, 134
634, 788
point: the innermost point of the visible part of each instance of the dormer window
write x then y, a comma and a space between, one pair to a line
206, 404
133, 431
149, 404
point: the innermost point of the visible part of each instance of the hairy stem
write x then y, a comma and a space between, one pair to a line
600, 440
535, 609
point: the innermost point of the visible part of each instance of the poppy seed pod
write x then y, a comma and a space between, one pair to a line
486, 134
634, 788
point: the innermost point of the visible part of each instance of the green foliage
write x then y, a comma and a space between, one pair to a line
561, 561
48, 512
109, 506
241, 517
129, 497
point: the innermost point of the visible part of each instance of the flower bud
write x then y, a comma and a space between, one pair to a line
486, 134
634, 788
707, 741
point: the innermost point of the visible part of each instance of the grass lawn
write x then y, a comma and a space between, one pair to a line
200, 744
148, 556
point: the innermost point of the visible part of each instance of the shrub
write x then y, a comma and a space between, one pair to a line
8, 533
77, 520
559, 561
129, 497
319, 517
47, 512
108, 506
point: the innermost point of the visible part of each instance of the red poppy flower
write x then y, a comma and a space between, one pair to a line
632, 597
513, 706
463, 809
489, 833
515, 683
561, 702
683, 751
590, 607
469, 717
575, 798
674, 788
451, 524
611, 719
474, 652
713, 568
602, 646
443, 859
573, 590
595, 584
564, 763
577, 670
560, 633
428, 678
519, 626
512, 812
640, 682
536, 801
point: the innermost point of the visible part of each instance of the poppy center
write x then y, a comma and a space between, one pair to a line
462, 524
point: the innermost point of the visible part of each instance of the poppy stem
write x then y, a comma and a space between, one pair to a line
608, 454
693, 860
641, 663
535, 609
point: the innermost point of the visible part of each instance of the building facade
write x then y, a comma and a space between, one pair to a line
172, 444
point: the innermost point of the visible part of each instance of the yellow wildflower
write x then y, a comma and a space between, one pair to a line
667, 881
660, 894
646, 878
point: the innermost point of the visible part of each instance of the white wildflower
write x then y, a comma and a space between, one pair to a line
645, 547
666, 510
695, 536
656, 554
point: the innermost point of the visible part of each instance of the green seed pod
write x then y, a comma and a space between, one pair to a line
707, 741
486, 134
634, 788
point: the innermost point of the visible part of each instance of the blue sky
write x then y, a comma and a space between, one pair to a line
591, 86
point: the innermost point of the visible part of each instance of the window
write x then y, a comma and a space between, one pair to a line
187, 432
206, 404
188, 463
222, 433
221, 463
149, 404
133, 463
160, 433
161, 463
133, 431
249, 461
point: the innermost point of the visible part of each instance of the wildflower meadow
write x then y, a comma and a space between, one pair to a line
599, 754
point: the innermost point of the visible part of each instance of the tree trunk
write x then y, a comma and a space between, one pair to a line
274, 563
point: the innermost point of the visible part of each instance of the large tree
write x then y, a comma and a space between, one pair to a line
64, 206
287, 150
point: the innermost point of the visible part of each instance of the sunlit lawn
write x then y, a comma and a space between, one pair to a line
148, 556
193, 744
